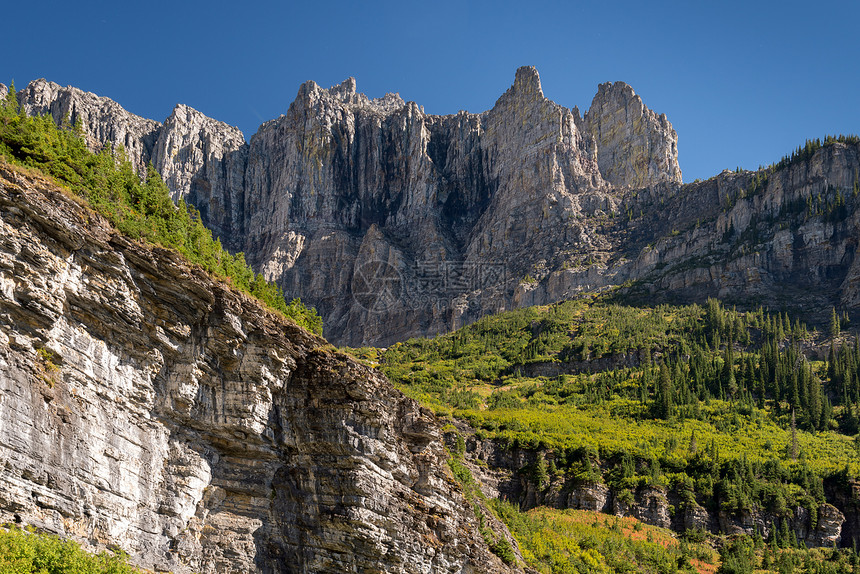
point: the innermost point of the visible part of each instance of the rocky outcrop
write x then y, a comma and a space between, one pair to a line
148, 407
506, 472
102, 120
201, 160
652, 506
636, 147
593, 497
789, 244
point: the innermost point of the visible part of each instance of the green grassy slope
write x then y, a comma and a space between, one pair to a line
26, 552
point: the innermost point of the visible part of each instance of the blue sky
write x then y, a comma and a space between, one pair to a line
743, 83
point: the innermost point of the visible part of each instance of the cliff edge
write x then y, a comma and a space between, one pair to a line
148, 407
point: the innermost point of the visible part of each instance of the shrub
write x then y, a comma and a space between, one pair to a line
24, 552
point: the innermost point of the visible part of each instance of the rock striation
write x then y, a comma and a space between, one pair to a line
146, 406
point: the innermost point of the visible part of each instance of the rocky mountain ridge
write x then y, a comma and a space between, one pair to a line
148, 407
278, 454
396, 223
438, 208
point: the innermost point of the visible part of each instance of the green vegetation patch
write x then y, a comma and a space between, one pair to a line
577, 541
731, 410
25, 552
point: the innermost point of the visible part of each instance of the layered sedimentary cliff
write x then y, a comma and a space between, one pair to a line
148, 407
789, 242
394, 223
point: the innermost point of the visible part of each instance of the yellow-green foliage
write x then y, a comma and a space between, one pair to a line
576, 541
721, 405
139, 209
605, 429
800, 561
23, 552
492, 347
370, 356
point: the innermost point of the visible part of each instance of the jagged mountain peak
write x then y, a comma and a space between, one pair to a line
622, 89
623, 93
311, 94
346, 87
636, 147
527, 82
41, 96
102, 119
183, 114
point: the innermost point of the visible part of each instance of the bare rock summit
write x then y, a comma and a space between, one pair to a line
635, 146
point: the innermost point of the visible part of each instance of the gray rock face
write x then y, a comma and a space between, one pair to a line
589, 497
789, 245
145, 405
4, 91
652, 507
201, 159
102, 119
342, 184
396, 223
635, 146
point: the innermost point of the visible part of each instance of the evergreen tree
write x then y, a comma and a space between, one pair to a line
541, 472
663, 400
834, 323
793, 447
10, 103
738, 557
